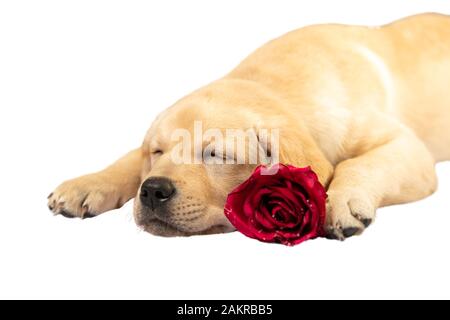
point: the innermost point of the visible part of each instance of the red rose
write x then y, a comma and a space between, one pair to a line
287, 207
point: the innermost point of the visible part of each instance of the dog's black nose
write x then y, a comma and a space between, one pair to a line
155, 191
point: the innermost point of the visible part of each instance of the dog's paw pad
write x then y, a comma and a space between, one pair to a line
351, 231
88, 215
334, 232
366, 222
348, 214
66, 214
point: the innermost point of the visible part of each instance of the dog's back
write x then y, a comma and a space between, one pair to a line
419, 57
402, 69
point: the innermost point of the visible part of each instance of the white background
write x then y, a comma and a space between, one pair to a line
80, 83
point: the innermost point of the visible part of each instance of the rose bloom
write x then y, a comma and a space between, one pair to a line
287, 207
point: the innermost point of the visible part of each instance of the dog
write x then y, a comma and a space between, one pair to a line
368, 108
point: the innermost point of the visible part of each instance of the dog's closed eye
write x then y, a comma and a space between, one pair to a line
214, 155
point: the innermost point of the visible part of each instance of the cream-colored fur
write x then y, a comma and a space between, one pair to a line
367, 108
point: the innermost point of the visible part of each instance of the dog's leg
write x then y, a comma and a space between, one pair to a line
397, 171
93, 194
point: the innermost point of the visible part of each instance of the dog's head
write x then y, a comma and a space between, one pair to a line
194, 156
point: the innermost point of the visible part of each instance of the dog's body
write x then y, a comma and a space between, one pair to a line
367, 108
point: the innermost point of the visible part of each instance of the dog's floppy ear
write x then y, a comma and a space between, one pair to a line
296, 147
300, 150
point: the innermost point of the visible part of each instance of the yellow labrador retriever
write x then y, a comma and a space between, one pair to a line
367, 108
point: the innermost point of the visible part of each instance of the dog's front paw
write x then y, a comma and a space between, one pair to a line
84, 197
348, 213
